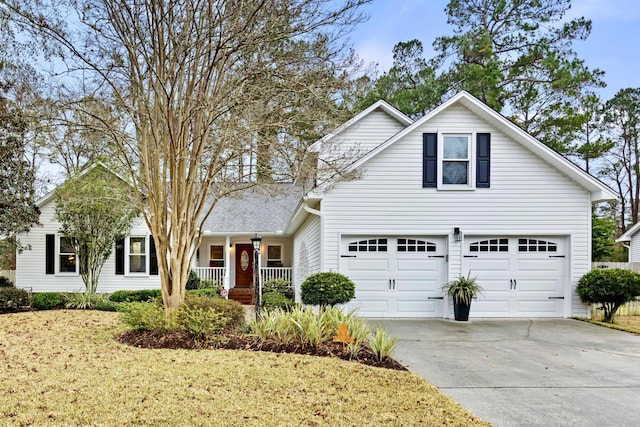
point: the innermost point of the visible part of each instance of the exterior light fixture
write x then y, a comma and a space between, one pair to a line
457, 234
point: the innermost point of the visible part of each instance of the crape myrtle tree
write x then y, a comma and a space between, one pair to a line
95, 209
185, 81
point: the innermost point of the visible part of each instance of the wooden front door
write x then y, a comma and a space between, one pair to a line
244, 266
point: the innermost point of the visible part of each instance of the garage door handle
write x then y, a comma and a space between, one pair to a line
510, 283
436, 298
515, 283
436, 256
471, 256
347, 256
394, 283
556, 256
556, 297
389, 284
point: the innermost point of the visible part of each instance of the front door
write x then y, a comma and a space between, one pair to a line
244, 266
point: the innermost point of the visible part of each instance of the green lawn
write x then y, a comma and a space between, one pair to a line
65, 368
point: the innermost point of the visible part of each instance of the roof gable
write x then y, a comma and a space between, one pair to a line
627, 235
380, 105
598, 190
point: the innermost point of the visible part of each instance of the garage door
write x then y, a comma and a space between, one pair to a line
395, 276
521, 276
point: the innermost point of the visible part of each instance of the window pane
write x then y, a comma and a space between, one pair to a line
274, 252
67, 263
137, 263
66, 245
137, 245
217, 252
455, 147
455, 172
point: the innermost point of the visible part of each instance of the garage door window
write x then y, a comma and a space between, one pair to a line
490, 245
368, 245
415, 245
534, 245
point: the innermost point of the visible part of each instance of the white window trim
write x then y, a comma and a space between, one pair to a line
57, 260
472, 161
127, 254
223, 259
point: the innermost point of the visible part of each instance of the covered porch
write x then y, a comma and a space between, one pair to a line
230, 261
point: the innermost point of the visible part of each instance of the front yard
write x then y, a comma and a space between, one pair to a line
65, 368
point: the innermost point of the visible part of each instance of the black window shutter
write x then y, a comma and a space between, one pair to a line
153, 257
430, 160
50, 254
483, 160
120, 256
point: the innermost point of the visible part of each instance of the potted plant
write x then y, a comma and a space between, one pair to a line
462, 290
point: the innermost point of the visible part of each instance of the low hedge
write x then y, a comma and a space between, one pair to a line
327, 289
12, 299
271, 300
48, 300
233, 311
144, 295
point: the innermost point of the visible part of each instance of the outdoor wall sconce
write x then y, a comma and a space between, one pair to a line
256, 243
457, 235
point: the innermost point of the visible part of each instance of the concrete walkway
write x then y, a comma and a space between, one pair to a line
527, 372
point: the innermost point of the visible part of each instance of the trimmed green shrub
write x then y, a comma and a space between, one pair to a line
610, 287
202, 324
193, 282
327, 289
144, 316
5, 282
271, 300
47, 300
144, 295
12, 299
231, 310
282, 286
206, 292
107, 305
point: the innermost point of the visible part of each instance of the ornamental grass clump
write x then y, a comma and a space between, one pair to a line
382, 344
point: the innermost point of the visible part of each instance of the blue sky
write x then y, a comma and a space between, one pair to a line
613, 46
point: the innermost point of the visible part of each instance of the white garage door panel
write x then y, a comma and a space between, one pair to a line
527, 280
398, 278
367, 265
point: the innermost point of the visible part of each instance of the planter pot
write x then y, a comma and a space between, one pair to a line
461, 310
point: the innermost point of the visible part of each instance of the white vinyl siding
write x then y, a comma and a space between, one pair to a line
527, 197
362, 137
634, 248
306, 251
30, 264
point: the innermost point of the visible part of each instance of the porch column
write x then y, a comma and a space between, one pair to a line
227, 262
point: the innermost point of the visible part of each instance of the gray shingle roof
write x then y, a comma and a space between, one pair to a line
265, 208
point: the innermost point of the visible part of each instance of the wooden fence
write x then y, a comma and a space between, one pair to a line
9, 274
631, 308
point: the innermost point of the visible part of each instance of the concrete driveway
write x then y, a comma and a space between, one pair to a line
527, 372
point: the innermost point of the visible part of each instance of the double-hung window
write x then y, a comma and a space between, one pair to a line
67, 257
216, 256
274, 256
456, 159
137, 254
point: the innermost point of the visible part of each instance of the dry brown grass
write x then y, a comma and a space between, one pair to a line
65, 368
622, 323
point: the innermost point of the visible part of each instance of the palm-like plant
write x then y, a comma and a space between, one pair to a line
463, 289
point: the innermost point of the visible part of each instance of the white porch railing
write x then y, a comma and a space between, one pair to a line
211, 273
268, 273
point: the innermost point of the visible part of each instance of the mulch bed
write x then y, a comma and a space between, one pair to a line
182, 340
